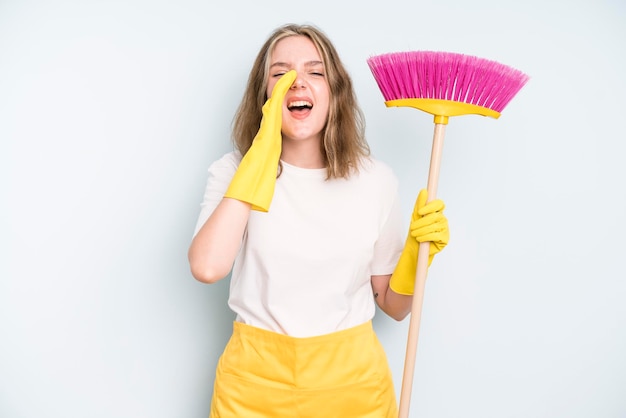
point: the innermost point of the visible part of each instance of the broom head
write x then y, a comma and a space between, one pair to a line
445, 84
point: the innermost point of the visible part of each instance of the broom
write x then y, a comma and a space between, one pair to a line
443, 84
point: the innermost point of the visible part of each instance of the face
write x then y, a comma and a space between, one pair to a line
306, 105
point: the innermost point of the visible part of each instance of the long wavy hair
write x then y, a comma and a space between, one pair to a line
343, 143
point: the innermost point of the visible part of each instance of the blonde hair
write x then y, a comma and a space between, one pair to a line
343, 143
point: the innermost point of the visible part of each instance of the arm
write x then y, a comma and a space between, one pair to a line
393, 304
394, 293
215, 246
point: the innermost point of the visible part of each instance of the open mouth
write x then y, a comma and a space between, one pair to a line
299, 106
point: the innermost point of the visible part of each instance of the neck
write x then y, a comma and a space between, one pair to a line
303, 154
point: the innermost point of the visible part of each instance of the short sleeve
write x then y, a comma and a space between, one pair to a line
220, 173
390, 242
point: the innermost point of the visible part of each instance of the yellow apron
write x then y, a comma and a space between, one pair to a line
262, 374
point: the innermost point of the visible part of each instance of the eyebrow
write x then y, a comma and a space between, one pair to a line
312, 63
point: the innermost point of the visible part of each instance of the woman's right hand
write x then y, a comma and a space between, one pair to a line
255, 178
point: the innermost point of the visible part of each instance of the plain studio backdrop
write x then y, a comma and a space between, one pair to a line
112, 111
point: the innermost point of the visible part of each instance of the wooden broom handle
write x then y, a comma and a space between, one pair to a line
420, 279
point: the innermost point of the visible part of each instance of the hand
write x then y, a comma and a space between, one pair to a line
255, 178
428, 224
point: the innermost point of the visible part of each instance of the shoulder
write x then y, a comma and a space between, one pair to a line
226, 164
378, 170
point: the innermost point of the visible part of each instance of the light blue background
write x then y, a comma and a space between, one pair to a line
111, 112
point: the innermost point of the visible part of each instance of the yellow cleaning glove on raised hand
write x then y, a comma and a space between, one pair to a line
428, 223
255, 177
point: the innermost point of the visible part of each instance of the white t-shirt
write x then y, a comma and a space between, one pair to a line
305, 267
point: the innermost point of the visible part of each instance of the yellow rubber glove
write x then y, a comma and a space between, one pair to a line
428, 223
255, 177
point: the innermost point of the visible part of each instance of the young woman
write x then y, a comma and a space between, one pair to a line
310, 225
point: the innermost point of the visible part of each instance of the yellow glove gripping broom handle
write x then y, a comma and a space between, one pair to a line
420, 279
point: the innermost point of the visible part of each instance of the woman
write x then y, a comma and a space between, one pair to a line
310, 224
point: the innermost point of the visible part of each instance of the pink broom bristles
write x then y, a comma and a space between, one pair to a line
446, 76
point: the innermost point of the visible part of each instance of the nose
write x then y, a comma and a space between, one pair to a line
297, 83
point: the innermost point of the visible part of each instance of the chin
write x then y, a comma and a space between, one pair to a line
302, 137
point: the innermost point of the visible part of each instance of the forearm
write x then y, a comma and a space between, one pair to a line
215, 246
393, 304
